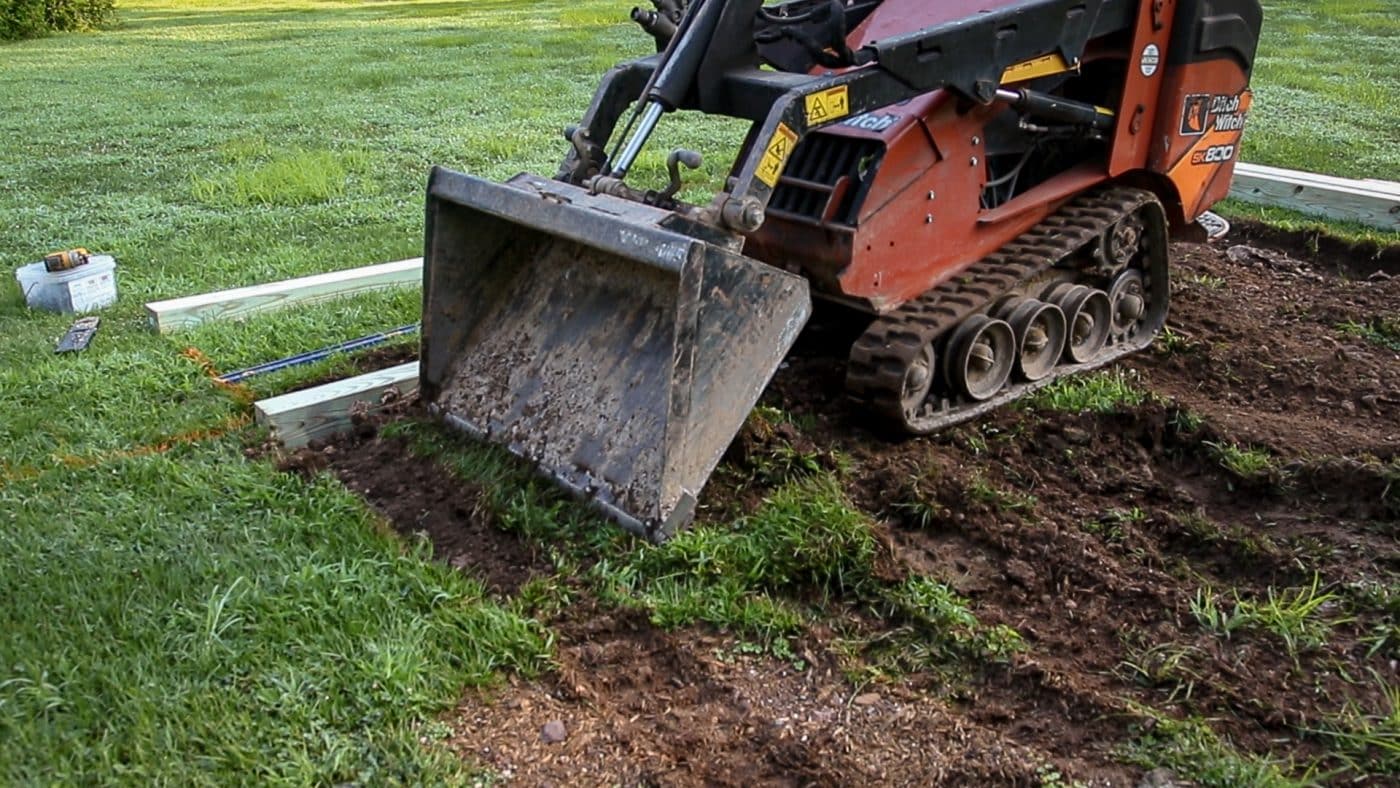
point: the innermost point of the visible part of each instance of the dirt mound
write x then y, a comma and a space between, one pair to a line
1275, 349
1139, 550
637, 706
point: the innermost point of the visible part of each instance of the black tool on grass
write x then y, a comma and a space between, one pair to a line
79, 335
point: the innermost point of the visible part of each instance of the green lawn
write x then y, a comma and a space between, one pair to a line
197, 616
1325, 85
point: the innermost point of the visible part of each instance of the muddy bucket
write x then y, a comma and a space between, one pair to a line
597, 337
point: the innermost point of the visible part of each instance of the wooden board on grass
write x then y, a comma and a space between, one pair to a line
1371, 202
179, 313
316, 413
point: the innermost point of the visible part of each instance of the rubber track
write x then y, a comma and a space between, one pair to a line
875, 373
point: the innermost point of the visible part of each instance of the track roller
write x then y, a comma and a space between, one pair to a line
1121, 241
980, 356
1040, 335
1128, 299
918, 380
1088, 315
1017, 320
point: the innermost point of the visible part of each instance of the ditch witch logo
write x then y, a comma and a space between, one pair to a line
1202, 112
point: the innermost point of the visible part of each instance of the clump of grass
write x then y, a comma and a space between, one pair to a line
1193, 751
1110, 526
1243, 461
1298, 617
806, 534
1200, 527
1368, 743
1162, 666
1185, 421
1050, 777
806, 538
243, 148
1096, 392
543, 597
1381, 331
918, 506
1107, 530
982, 491
289, 179
1207, 281
1244, 543
773, 450
1135, 515
938, 628
1171, 342
1382, 601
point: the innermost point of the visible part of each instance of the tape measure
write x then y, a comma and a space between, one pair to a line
65, 260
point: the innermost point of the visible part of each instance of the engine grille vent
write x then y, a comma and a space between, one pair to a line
817, 166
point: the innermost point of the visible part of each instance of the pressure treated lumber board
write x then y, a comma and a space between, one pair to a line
178, 313
1371, 202
300, 417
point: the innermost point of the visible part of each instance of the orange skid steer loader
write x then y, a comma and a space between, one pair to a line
991, 181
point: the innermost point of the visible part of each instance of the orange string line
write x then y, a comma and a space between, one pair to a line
11, 474
237, 391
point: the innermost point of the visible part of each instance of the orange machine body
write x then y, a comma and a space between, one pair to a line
879, 208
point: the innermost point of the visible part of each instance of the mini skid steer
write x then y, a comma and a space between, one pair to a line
992, 181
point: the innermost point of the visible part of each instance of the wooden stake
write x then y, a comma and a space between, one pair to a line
300, 417
179, 313
1370, 202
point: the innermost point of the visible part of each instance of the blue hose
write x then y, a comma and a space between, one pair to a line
312, 356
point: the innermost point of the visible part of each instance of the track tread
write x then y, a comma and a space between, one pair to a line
875, 375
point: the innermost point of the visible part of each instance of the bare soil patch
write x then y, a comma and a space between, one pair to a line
1093, 535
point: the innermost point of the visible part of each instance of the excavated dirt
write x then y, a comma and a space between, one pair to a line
1090, 534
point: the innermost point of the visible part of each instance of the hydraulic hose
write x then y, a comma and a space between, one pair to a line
675, 78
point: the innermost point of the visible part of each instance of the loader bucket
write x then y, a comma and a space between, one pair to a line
597, 337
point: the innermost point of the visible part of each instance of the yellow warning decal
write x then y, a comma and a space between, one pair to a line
1036, 68
775, 156
828, 105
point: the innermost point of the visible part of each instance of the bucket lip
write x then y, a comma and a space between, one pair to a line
610, 224
652, 529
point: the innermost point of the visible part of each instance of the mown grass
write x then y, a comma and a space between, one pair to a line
192, 616
1324, 82
199, 616
175, 612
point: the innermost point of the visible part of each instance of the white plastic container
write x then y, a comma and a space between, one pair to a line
82, 289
